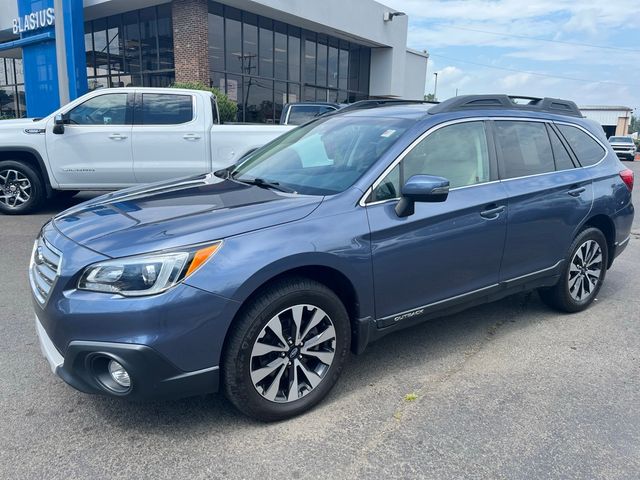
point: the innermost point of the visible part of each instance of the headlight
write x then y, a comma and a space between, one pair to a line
145, 274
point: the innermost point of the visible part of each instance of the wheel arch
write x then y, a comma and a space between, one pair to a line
30, 157
607, 227
329, 276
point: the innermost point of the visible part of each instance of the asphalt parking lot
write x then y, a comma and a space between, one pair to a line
508, 390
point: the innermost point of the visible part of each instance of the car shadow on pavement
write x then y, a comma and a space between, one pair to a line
420, 346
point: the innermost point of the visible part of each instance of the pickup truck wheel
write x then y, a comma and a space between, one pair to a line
21, 188
287, 350
582, 275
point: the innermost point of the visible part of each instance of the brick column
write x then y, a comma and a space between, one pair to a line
191, 40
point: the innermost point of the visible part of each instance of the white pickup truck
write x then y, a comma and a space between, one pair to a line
117, 137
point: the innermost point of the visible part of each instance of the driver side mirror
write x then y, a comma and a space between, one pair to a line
421, 188
58, 123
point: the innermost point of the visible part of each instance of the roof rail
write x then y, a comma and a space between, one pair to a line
380, 102
508, 102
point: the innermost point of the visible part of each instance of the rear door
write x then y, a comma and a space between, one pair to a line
168, 135
548, 196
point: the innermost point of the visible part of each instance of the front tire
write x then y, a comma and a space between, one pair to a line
21, 188
287, 350
582, 275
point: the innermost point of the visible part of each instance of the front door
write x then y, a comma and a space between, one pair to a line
95, 149
444, 250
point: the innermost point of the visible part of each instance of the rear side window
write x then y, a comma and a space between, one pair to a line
560, 154
588, 151
165, 109
526, 149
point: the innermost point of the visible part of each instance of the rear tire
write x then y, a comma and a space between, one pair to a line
21, 188
582, 275
287, 350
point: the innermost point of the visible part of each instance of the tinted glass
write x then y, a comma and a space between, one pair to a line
233, 43
164, 109
259, 100
332, 69
325, 156
249, 58
165, 37
300, 114
526, 149
294, 54
216, 38
588, 151
321, 71
309, 61
149, 39
280, 51
620, 139
108, 109
560, 154
458, 153
266, 48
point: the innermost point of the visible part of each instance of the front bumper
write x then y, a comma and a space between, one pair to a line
152, 376
626, 154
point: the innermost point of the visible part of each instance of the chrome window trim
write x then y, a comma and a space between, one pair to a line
407, 150
363, 203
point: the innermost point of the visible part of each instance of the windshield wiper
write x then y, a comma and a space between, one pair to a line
262, 183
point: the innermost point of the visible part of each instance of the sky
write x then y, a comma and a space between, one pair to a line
583, 50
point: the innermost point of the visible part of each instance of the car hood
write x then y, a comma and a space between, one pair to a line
22, 122
178, 213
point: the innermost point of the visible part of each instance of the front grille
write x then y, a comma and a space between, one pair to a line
44, 269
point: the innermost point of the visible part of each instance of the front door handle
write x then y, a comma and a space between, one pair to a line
576, 191
117, 136
492, 211
191, 136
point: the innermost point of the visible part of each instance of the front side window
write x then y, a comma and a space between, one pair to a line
324, 157
108, 109
588, 151
166, 109
526, 149
457, 152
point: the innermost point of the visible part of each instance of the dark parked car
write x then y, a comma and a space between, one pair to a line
260, 278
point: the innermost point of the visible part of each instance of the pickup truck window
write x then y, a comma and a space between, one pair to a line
324, 157
166, 109
300, 114
107, 109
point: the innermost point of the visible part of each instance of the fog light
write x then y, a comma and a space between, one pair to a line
119, 374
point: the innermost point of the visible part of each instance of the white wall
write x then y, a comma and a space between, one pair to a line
415, 75
605, 117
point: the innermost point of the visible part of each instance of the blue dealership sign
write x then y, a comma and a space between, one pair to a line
36, 26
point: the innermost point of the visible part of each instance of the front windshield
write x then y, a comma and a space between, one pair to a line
324, 157
621, 139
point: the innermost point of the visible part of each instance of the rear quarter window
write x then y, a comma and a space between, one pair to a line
584, 146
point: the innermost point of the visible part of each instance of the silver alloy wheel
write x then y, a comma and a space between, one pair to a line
15, 188
585, 270
292, 353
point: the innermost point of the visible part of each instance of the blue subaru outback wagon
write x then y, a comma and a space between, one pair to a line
260, 278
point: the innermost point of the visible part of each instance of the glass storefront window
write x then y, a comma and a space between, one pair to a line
12, 99
266, 48
280, 51
262, 63
132, 49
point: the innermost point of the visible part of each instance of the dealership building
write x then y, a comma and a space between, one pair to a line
262, 54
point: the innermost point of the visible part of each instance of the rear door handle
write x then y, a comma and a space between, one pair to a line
492, 211
191, 136
117, 136
576, 191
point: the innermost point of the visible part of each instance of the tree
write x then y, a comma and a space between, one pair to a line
634, 125
228, 108
430, 97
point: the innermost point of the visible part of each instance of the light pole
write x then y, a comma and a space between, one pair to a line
435, 87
